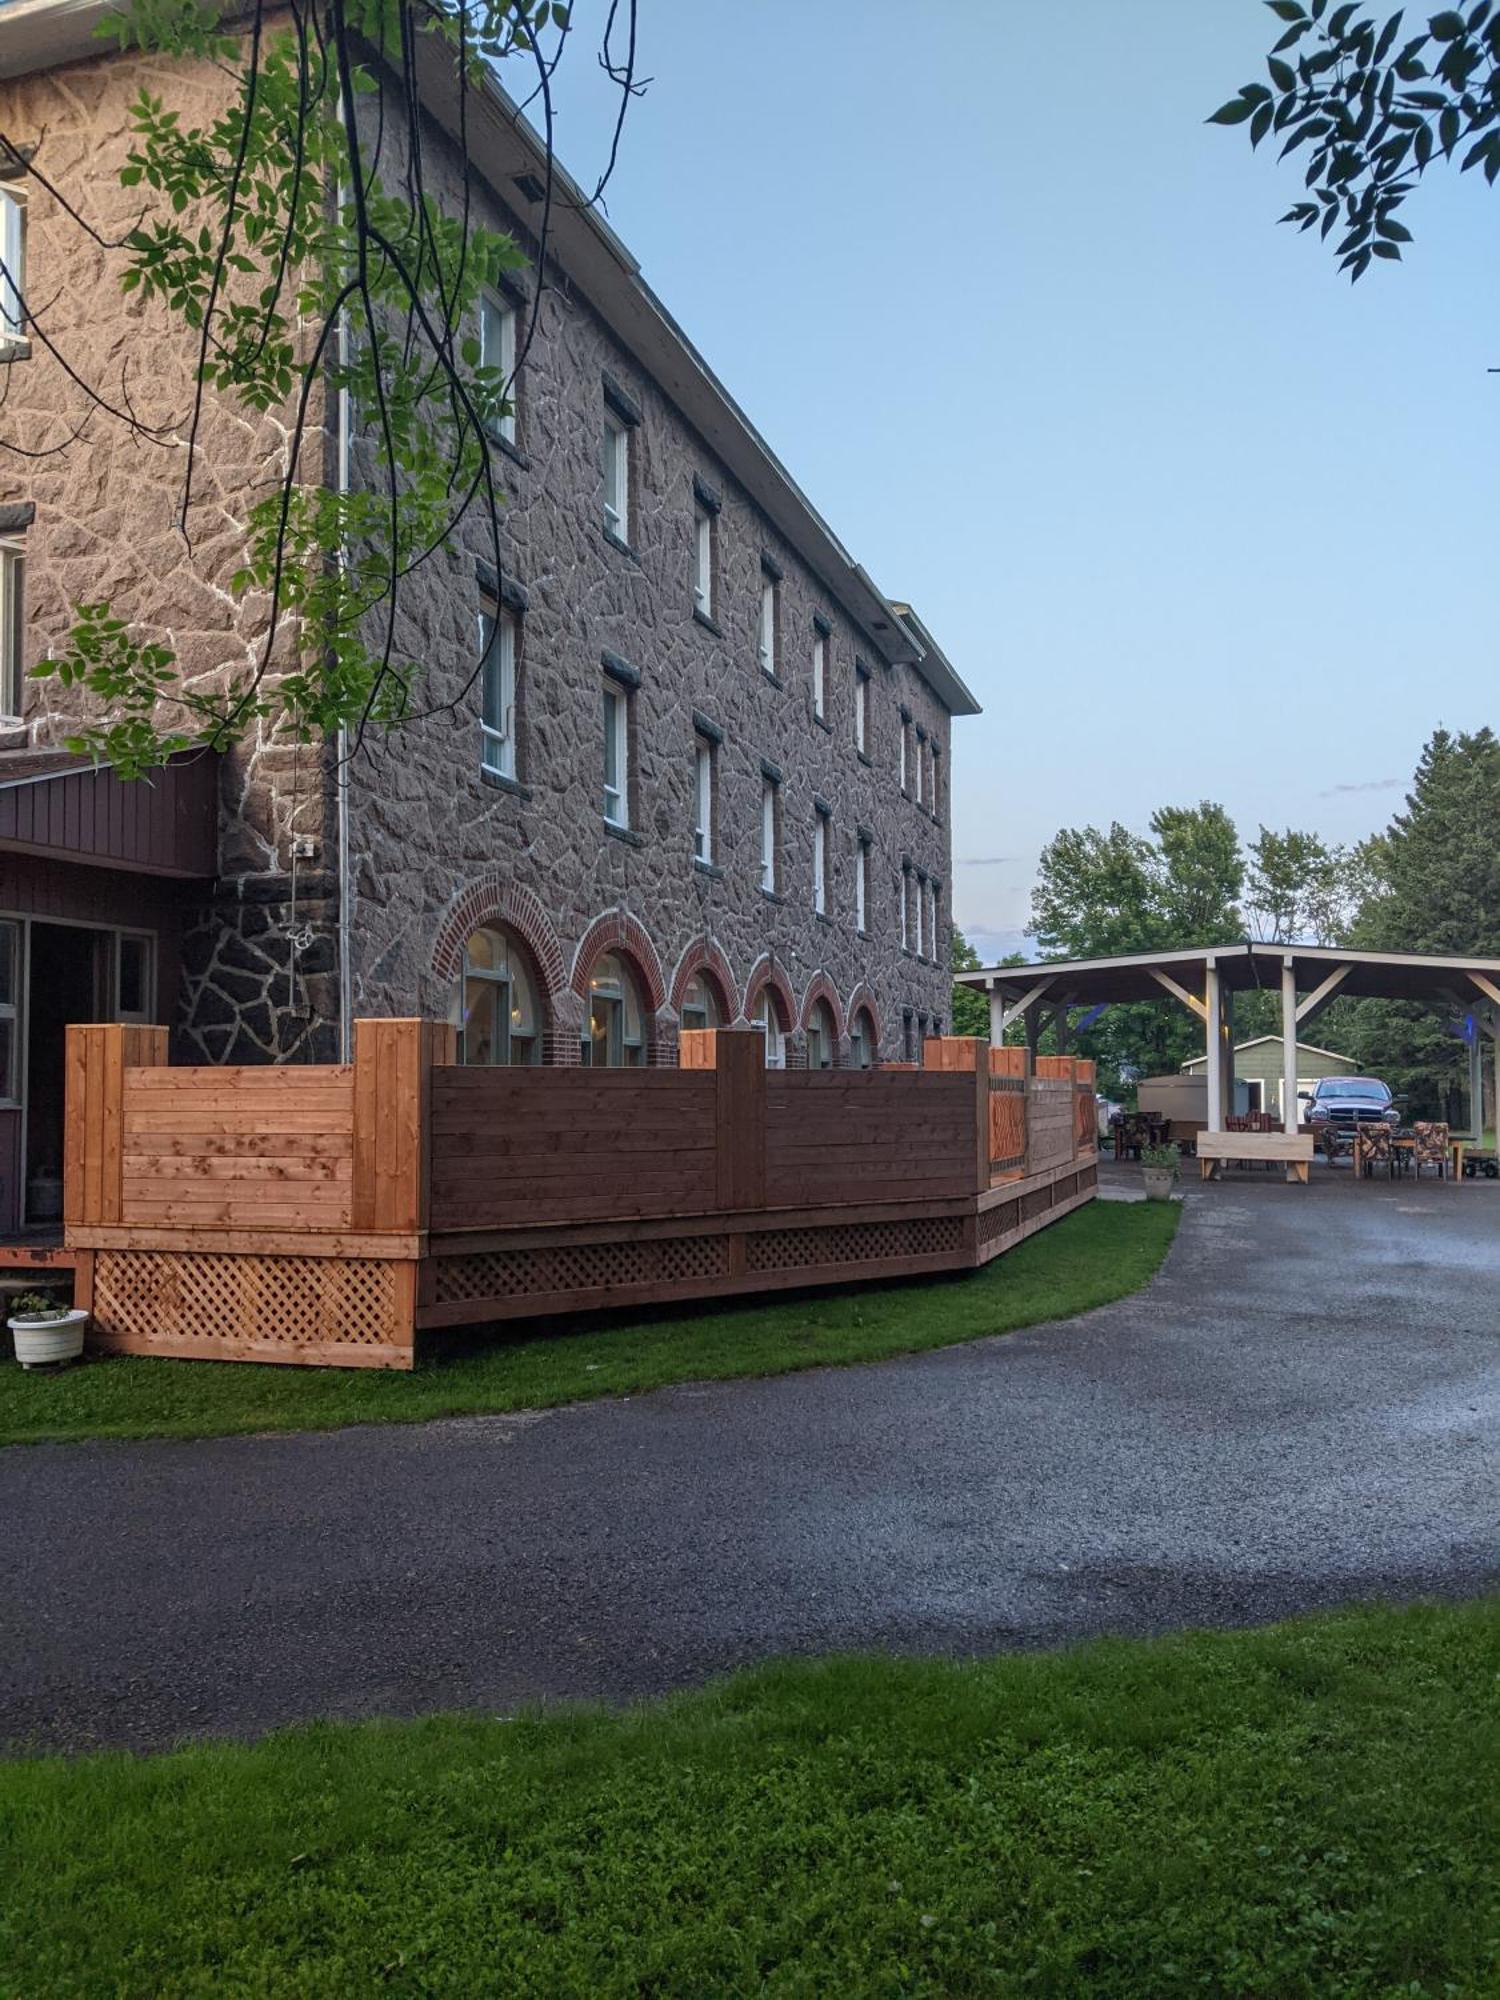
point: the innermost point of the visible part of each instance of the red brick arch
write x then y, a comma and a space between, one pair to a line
820, 987
863, 997
618, 930
706, 956
762, 974
494, 899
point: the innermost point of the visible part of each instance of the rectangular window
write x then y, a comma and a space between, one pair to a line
13, 257
862, 886
703, 560
921, 916
497, 718
134, 966
616, 476
934, 798
921, 763
906, 909
616, 754
497, 350
905, 752
861, 710
820, 862
766, 631
10, 986
703, 800
932, 915
820, 672
769, 813
12, 628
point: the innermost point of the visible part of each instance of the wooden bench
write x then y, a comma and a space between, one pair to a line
1293, 1150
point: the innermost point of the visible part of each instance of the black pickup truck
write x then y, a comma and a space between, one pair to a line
1339, 1103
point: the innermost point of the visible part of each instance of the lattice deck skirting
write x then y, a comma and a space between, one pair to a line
223, 1306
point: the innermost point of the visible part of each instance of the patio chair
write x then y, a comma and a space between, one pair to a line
1375, 1149
1431, 1147
1329, 1143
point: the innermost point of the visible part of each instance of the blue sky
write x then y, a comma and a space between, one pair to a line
1192, 516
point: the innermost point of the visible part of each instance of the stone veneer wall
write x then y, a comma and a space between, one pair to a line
105, 526
440, 848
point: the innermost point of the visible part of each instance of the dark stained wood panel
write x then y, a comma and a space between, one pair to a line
166, 824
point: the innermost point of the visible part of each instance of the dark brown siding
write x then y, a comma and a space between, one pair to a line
166, 824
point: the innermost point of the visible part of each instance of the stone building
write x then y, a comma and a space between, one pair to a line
703, 777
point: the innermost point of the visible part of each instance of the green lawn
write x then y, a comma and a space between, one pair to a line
1097, 1254
1309, 1810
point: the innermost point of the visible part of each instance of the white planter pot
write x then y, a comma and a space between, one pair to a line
1158, 1183
39, 1343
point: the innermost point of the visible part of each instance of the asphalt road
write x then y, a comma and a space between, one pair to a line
1301, 1410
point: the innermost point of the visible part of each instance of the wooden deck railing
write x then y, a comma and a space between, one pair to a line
326, 1214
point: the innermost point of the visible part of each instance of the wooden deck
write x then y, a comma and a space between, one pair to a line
330, 1214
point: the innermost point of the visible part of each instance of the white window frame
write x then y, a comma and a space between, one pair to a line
820, 673
862, 886
906, 909
905, 751
768, 835
497, 692
498, 322
145, 1014
921, 760
703, 560
10, 1010
13, 255
765, 644
615, 711
12, 629
861, 710
616, 475
703, 800
820, 863
933, 804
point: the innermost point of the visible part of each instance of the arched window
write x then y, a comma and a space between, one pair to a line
700, 1004
771, 1020
822, 1043
499, 1020
862, 1039
616, 1037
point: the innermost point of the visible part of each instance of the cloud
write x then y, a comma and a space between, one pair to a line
1367, 785
984, 860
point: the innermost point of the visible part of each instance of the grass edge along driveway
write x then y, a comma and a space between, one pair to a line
1305, 1810
1092, 1257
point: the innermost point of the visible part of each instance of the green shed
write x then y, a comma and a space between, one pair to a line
1257, 1063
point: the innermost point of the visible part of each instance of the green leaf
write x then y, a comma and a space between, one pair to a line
1235, 112
1260, 124
1393, 231
1286, 10
1386, 250
1282, 74
1448, 127
1446, 27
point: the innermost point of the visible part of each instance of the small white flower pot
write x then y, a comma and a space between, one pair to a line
1158, 1183
42, 1342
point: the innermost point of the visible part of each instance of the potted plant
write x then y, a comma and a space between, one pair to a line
44, 1331
1159, 1166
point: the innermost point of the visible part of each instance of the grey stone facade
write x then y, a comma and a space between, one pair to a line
436, 847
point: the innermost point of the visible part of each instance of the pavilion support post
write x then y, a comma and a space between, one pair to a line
1290, 1109
1226, 1067
1214, 1047
1063, 1029
997, 1018
1476, 1081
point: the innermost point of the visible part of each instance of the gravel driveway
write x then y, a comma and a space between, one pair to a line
1301, 1410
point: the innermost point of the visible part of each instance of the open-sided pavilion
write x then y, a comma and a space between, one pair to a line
1308, 978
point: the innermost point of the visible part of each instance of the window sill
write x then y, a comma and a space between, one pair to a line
626, 833
15, 350
710, 868
499, 782
771, 677
508, 448
824, 724
866, 937
707, 620
773, 895
865, 758
822, 917
619, 543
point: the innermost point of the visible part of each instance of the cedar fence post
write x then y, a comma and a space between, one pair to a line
393, 1063
94, 1065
